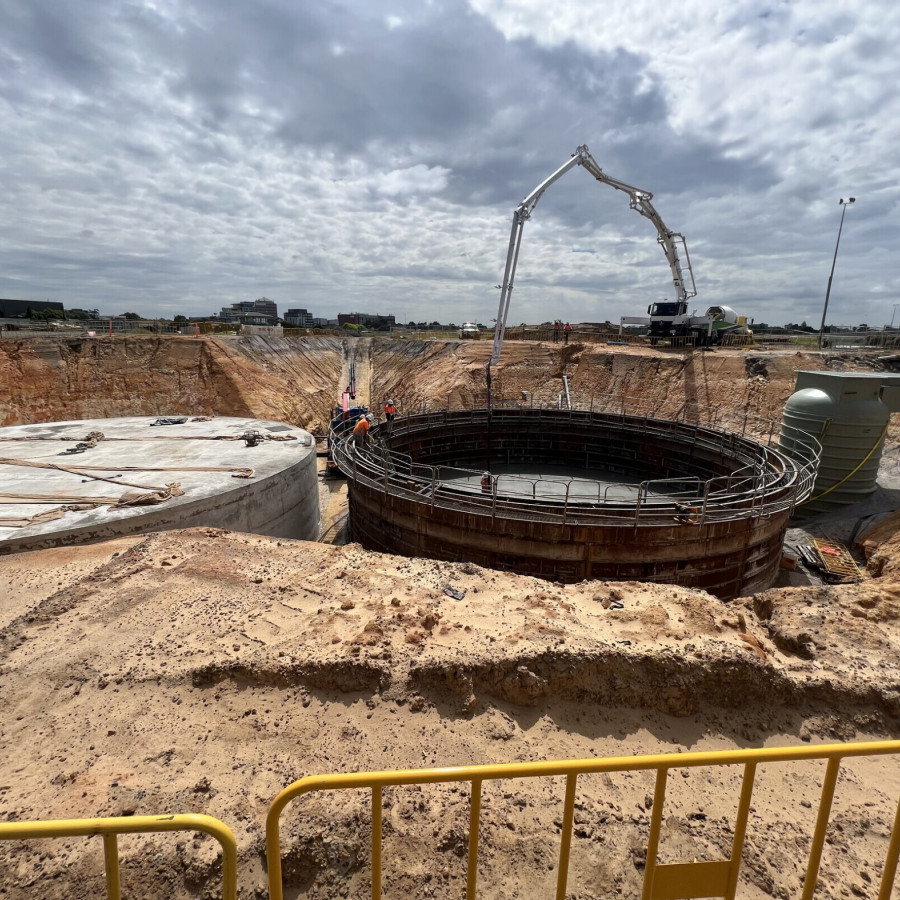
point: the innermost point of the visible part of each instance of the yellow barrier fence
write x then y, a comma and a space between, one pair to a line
112, 827
718, 878
671, 881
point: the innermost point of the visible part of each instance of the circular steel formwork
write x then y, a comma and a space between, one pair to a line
691, 504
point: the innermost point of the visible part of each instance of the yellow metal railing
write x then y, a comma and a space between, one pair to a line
671, 881
112, 827
718, 878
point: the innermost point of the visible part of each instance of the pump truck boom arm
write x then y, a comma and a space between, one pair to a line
641, 201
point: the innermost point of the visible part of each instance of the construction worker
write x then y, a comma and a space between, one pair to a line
487, 482
686, 515
566, 331
556, 331
361, 430
389, 412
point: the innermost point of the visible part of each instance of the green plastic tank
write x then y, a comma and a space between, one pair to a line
845, 413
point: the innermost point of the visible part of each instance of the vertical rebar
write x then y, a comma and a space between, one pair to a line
705, 502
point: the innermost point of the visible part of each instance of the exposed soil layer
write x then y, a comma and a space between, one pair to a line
60, 379
202, 671
298, 379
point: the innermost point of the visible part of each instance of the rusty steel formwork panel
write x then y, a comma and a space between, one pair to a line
730, 544
728, 559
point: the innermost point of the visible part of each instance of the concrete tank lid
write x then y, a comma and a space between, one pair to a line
134, 442
862, 385
814, 395
877, 376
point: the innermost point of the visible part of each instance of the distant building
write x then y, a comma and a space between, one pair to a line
251, 312
11, 308
366, 320
299, 318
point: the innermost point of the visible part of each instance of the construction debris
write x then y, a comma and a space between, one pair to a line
836, 559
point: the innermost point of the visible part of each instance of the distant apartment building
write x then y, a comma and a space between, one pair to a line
366, 320
251, 312
299, 318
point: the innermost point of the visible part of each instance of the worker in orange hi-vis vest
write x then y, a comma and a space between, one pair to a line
361, 430
566, 331
389, 412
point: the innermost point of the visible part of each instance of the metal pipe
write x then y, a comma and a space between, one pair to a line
566, 840
474, 828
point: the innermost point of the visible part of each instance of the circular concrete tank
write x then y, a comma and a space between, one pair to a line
131, 476
667, 501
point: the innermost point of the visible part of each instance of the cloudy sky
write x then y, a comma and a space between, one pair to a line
172, 156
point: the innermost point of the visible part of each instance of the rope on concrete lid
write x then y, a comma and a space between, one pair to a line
193, 437
75, 501
33, 464
94, 437
236, 471
128, 499
47, 516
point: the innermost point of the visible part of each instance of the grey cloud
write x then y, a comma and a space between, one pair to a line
68, 46
147, 156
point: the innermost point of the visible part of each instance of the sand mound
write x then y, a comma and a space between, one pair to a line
204, 670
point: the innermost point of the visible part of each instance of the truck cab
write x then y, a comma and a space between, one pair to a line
667, 308
666, 318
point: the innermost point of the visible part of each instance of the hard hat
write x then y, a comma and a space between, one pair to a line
370, 417
485, 474
390, 402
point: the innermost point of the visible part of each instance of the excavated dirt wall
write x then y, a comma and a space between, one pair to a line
434, 373
59, 379
299, 379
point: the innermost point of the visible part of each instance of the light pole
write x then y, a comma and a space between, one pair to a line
894, 313
844, 205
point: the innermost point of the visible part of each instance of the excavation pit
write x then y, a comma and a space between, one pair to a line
577, 495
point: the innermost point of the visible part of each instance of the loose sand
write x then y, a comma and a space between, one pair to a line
202, 671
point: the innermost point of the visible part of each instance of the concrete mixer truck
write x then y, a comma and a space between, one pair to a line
670, 319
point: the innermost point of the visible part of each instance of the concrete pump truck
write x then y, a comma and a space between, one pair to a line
639, 200
666, 320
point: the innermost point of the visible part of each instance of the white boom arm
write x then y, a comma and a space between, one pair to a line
640, 201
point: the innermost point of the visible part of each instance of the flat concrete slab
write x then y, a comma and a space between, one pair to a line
172, 475
555, 483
